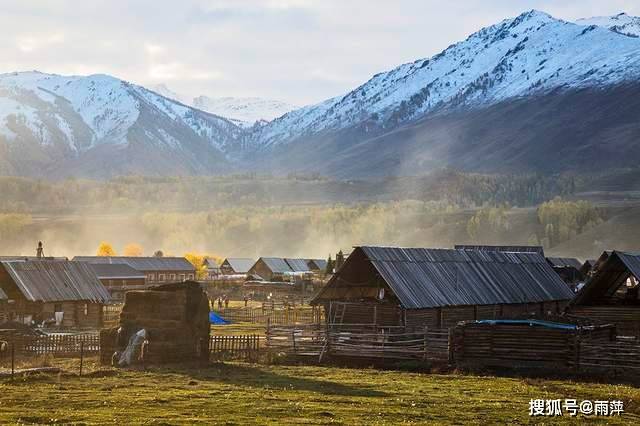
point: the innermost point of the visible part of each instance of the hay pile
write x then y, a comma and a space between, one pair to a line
176, 318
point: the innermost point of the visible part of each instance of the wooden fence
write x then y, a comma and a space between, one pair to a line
359, 341
275, 317
58, 345
245, 347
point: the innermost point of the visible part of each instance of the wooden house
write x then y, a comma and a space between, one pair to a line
66, 293
412, 287
236, 266
157, 270
269, 269
612, 293
119, 278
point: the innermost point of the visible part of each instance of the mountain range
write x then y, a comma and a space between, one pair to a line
531, 93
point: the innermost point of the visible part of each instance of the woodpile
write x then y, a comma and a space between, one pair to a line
521, 345
175, 317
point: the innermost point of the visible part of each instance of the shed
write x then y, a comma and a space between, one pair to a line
612, 293
439, 287
40, 290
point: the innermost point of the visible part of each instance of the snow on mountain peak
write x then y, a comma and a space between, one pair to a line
620, 23
531, 53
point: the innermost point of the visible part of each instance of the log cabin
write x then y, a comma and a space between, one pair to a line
611, 295
64, 292
417, 288
157, 269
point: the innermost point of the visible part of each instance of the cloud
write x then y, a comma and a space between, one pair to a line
300, 51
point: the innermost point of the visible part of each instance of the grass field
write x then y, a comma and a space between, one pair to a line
239, 393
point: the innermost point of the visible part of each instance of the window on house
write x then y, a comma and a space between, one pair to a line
161, 277
181, 277
57, 307
86, 309
190, 276
151, 277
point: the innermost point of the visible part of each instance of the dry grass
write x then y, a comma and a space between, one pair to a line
253, 394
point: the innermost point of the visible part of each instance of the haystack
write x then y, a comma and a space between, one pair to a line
175, 317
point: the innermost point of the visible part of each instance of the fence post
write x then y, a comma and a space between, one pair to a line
576, 348
450, 347
13, 359
293, 340
81, 356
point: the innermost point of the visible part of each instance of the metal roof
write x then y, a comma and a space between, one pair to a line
276, 264
298, 265
514, 249
321, 264
56, 281
427, 278
116, 271
565, 262
240, 265
613, 270
145, 264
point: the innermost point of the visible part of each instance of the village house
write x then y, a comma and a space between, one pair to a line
157, 270
68, 294
612, 294
269, 269
119, 278
414, 287
236, 266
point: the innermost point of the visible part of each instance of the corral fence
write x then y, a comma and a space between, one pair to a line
620, 358
273, 316
360, 341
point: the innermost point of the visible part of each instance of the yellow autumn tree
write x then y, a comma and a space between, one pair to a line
105, 249
133, 249
197, 260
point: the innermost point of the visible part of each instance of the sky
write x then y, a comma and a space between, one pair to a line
297, 51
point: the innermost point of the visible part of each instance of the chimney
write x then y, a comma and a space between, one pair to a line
40, 250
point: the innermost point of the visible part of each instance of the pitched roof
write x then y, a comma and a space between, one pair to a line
148, 263
240, 265
276, 264
56, 281
613, 270
427, 278
298, 265
320, 264
564, 262
116, 271
510, 249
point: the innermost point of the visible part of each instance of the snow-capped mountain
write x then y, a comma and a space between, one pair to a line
45, 117
620, 23
531, 93
243, 111
529, 55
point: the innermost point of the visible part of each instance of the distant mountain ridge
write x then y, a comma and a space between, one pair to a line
531, 93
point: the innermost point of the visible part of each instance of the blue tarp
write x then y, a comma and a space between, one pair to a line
217, 319
532, 322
